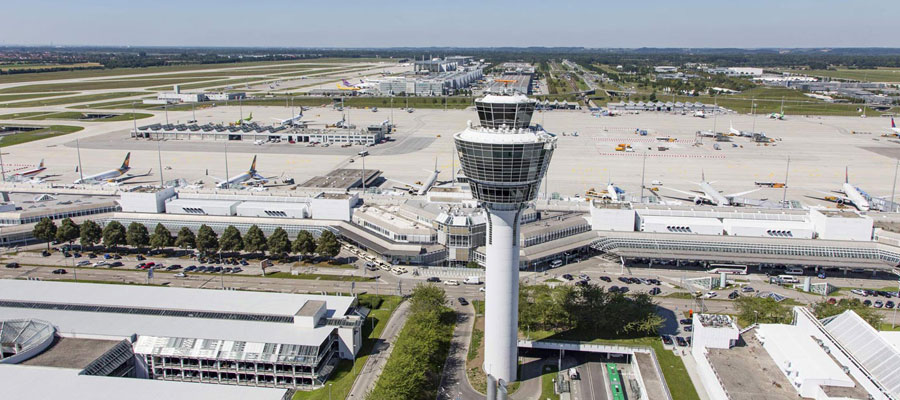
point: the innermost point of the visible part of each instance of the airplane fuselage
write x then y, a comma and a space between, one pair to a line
713, 195
32, 172
859, 201
103, 176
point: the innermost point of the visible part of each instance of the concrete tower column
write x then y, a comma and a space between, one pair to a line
501, 313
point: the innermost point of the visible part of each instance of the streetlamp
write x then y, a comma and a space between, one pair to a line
757, 317
329, 390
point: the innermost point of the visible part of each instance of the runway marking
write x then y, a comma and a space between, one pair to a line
637, 154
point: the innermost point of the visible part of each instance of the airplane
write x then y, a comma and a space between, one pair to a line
250, 176
851, 194
778, 116
290, 121
423, 188
700, 114
242, 121
738, 132
708, 194
894, 127
347, 86
31, 172
114, 175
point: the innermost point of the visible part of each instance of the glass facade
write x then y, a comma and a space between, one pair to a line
512, 115
504, 173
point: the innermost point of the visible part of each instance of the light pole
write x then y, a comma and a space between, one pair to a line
193, 114
329, 390
757, 317
166, 108
894, 187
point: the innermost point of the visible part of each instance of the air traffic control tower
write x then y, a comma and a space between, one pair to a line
504, 159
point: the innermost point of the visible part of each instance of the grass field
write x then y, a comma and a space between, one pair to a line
74, 115
768, 100
13, 67
97, 85
13, 97
23, 115
72, 99
47, 132
208, 83
865, 75
548, 374
341, 381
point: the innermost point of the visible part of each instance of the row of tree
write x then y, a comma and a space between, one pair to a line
414, 369
587, 309
206, 240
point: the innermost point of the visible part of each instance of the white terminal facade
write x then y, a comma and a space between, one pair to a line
504, 159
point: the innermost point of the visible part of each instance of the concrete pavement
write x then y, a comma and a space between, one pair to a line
366, 379
454, 382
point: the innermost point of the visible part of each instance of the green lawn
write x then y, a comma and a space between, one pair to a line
13, 97
322, 277
47, 132
343, 377
547, 377
211, 83
96, 85
75, 115
23, 115
882, 74
72, 99
768, 100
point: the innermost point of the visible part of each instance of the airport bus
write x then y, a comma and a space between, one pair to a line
728, 269
615, 382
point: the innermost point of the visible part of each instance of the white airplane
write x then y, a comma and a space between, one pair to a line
738, 132
700, 114
251, 176
290, 121
112, 176
423, 188
778, 116
852, 195
31, 172
894, 127
708, 194
613, 192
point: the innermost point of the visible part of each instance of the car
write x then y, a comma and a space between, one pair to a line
67, 254
76, 255
613, 289
733, 295
689, 328
747, 289
582, 283
107, 256
45, 253
686, 321
584, 277
667, 340
140, 257
244, 263
181, 275
236, 270
681, 341
12, 265
190, 268
100, 263
624, 279
115, 264
463, 301
82, 263
228, 270
371, 267
710, 295
201, 268
433, 279
867, 303
821, 275
59, 271
91, 255
175, 266
171, 268
878, 304
860, 292
568, 277
117, 257
451, 282
832, 300
140, 266
624, 289
889, 304
218, 269
655, 291
605, 279
481, 289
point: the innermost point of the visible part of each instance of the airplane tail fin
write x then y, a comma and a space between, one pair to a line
127, 160
347, 84
253, 165
41, 165
893, 125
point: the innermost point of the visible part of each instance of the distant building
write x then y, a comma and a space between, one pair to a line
665, 69
737, 71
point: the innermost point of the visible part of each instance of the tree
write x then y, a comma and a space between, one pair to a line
255, 240
231, 239
68, 231
113, 234
45, 230
186, 239
823, 309
472, 264
304, 244
279, 243
207, 240
161, 237
762, 309
137, 235
90, 234
427, 298
327, 245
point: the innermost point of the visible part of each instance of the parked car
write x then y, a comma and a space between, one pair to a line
681, 341
889, 304
115, 264
733, 295
463, 301
59, 271
605, 279
568, 277
686, 321
613, 289
83, 263
710, 295
190, 268
236, 270
655, 291
860, 292
45, 253
747, 289
667, 340
689, 328
140, 257
181, 275
624, 289
451, 282
12, 265
432, 279
867, 303
878, 304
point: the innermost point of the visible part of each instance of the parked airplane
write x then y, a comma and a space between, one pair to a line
708, 194
422, 188
32, 172
738, 132
852, 195
700, 114
242, 121
894, 127
778, 116
347, 86
290, 121
114, 175
251, 176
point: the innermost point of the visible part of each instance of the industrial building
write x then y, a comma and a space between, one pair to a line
504, 159
177, 96
737, 71
439, 84
675, 107
270, 340
253, 132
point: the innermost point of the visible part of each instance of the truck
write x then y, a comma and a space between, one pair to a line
473, 280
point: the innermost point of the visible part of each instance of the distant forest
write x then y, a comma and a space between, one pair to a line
121, 57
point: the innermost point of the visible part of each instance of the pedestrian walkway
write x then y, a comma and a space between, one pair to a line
691, 366
454, 382
366, 379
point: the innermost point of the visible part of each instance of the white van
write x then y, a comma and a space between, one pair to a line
556, 263
473, 280
788, 279
794, 271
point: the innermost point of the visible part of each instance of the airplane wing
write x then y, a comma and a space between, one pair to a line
407, 185
685, 192
835, 195
125, 177
739, 194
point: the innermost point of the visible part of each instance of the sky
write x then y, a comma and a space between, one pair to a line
454, 23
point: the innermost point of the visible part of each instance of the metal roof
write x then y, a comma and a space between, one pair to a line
877, 355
